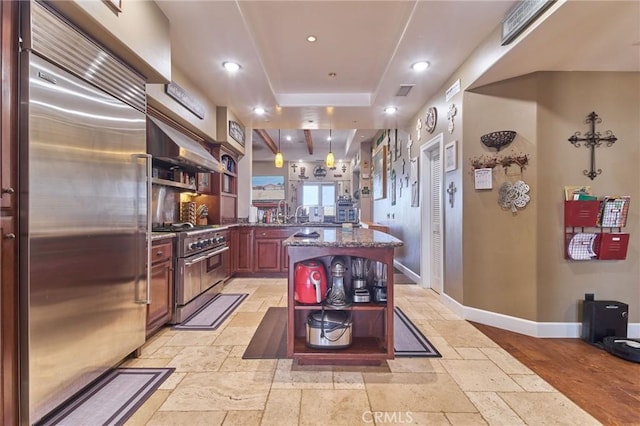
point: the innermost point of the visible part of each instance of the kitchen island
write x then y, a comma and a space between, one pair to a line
372, 323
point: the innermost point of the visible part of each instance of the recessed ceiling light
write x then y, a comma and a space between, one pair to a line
288, 138
332, 75
311, 38
420, 66
231, 66
390, 110
258, 110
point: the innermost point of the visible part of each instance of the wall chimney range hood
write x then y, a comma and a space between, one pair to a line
170, 145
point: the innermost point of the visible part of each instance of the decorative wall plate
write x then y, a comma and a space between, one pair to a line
431, 119
514, 196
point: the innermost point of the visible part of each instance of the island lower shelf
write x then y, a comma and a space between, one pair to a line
363, 349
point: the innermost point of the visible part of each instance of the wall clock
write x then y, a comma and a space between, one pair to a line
431, 119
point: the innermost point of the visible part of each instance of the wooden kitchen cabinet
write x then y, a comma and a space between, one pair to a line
233, 251
219, 190
269, 255
245, 250
160, 309
9, 236
224, 185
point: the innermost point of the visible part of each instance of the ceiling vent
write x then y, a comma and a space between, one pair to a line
404, 89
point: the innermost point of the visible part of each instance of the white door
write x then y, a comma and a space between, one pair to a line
431, 264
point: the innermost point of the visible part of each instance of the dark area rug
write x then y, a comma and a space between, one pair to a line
211, 315
270, 339
408, 340
111, 399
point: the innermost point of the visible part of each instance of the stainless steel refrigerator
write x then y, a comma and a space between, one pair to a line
84, 188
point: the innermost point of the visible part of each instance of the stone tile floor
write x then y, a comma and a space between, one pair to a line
474, 383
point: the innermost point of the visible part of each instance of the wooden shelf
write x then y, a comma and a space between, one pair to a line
165, 182
362, 348
355, 307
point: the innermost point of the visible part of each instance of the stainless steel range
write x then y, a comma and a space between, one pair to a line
200, 269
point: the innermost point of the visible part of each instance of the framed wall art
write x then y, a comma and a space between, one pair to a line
379, 173
451, 156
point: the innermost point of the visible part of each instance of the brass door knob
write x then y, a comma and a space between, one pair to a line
8, 190
10, 236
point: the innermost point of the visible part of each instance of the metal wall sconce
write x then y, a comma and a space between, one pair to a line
498, 139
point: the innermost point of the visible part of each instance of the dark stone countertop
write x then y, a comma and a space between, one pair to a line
295, 225
157, 236
357, 237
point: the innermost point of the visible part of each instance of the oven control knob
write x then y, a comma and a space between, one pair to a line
192, 246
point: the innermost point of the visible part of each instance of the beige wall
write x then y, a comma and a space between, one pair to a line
206, 127
499, 247
139, 34
565, 99
514, 264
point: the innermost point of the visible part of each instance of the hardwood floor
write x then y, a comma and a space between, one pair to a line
605, 386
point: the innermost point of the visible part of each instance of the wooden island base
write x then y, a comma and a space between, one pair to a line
372, 323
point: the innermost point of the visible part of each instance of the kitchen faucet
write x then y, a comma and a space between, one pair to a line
282, 213
297, 210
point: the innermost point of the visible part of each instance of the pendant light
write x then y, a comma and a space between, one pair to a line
330, 162
279, 158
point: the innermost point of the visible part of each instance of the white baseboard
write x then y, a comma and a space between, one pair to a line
408, 272
522, 326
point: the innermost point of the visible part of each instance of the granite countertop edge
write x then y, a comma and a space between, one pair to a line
157, 236
294, 225
356, 238
305, 242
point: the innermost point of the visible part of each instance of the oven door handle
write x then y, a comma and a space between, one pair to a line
214, 253
194, 261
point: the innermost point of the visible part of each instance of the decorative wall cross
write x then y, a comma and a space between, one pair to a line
451, 190
593, 139
452, 112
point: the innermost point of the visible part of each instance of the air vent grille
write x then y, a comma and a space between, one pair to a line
404, 89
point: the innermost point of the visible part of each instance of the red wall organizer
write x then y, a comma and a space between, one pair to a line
598, 242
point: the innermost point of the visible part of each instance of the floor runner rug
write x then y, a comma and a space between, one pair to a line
211, 315
269, 340
111, 399
408, 341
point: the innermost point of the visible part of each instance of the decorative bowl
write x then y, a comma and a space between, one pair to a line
498, 139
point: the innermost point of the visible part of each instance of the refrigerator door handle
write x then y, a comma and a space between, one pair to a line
148, 168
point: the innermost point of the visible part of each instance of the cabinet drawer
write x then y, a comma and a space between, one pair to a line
161, 251
279, 233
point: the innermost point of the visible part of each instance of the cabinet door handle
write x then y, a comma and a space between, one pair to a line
8, 190
10, 236
159, 253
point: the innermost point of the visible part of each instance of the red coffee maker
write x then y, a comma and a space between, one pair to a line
310, 282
